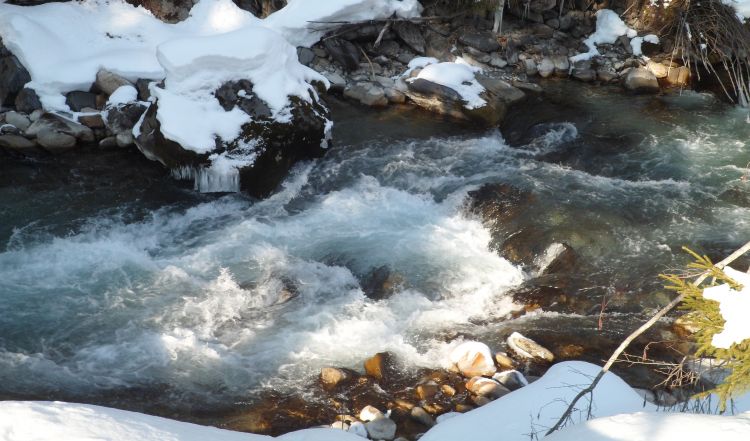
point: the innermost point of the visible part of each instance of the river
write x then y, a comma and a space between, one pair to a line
121, 286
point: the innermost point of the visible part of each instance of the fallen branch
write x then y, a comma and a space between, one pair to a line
625, 343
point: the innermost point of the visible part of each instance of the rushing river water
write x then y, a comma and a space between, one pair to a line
116, 281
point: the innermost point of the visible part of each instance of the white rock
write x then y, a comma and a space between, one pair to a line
370, 413
528, 348
473, 359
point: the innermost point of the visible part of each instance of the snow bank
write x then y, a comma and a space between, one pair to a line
63, 45
609, 27
734, 307
531, 409
297, 20
189, 112
637, 42
645, 426
458, 76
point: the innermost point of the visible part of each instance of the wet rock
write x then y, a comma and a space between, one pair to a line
659, 70
13, 77
527, 87
504, 362
562, 65
480, 400
436, 45
557, 258
541, 5
366, 93
54, 141
582, 71
107, 82
606, 75
497, 203
512, 379
343, 52
21, 122
18, 143
641, 80
624, 42
528, 348
529, 66
27, 101
678, 76
78, 100
338, 82
473, 359
421, 416
486, 387
92, 120
381, 283
381, 428
381, 366
395, 95
483, 41
410, 34
427, 391
274, 415
331, 377
546, 67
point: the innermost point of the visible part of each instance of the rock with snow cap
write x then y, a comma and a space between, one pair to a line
473, 359
527, 348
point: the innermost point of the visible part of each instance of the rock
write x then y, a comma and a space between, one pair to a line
498, 95
484, 41
120, 120
659, 70
582, 71
624, 42
678, 76
62, 125
27, 101
527, 87
108, 143
395, 96
497, 203
528, 348
366, 93
562, 65
512, 379
332, 377
107, 82
338, 83
410, 34
13, 77
78, 100
641, 80
427, 391
504, 361
556, 258
21, 122
370, 413
473, 359
381, 366
541, 5
381, 283
476, 58
421, 416
436, 46
92, 120
496, 60
605, 75
529, 66
279, 144
343, 52
17, 143
381, 428
546, 67
305, 55
448, 390
143, 91
54, 141
480, 400
486, 387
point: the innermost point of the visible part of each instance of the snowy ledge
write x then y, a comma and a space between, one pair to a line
530, 409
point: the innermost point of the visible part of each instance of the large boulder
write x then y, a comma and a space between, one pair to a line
242, 134
490, 105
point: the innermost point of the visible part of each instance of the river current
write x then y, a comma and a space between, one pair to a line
116, 281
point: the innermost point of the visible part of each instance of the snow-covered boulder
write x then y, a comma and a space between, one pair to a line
461, 91
236, 110
473, 359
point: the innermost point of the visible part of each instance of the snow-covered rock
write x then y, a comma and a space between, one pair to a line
461, 91
609, 27
232, 114
473, 359
528, 348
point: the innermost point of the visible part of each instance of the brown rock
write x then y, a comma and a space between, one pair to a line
504, 362
332, 377
427, 391
380, 366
